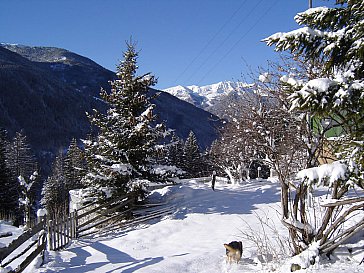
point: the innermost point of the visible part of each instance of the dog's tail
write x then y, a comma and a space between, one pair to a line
229, 247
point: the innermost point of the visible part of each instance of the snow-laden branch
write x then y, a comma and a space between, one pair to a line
337, 202
334, 171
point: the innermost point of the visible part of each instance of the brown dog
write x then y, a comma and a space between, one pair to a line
234, 250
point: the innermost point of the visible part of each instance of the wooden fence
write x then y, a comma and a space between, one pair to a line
85, 220
61, 231
28, 248
108, 215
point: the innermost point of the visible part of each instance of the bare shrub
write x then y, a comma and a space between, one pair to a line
270, 244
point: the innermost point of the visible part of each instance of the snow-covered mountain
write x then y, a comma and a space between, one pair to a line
205, 96
209, 96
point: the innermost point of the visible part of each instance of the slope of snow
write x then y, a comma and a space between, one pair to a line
204, 96
191, 240
7, 228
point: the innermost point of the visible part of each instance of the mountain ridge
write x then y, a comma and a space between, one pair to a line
209, 97
48, 97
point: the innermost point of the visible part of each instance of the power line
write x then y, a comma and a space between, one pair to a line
243, 36
209, 41
224, 41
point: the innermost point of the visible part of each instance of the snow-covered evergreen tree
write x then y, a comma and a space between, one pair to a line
8, 186
26, 200
21, 159
75, 166
67, 172
127, 137
55, 192
175, 152
192, 159
23, 165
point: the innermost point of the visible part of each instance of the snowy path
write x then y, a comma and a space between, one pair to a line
191, 240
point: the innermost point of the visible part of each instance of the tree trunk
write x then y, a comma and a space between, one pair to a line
284, 199
231, 177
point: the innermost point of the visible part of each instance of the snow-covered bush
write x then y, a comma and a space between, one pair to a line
330, 43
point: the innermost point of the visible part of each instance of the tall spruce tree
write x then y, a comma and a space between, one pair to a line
23, 166
123, 150
55, 192
9, 187
75, 166
175, 151
192, 156
21, 159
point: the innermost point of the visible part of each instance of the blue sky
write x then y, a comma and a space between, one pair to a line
182, 42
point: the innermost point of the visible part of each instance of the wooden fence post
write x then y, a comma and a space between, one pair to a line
72, 215
73, 224
55, 234
61, 231
76, 224
68, 227
57, 228
50, 234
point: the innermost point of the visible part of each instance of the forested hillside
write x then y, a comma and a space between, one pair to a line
45, 92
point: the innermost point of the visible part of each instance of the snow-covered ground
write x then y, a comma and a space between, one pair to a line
191, 239
7, 228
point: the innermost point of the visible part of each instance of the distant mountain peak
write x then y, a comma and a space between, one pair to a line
206, 96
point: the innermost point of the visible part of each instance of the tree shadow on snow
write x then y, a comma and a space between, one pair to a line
79, 262
115, 256
241, 199
81, 256
137, 264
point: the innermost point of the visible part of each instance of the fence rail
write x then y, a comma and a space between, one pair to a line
30, 246
57, 233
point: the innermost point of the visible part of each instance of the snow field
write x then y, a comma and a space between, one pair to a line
191, 239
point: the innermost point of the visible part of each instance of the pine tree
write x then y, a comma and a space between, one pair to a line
75, 166
21, 158
9, 186
175, 152
23, 165
192, 156
123, 150
54, 192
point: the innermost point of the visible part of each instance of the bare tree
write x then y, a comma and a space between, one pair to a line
264, 127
